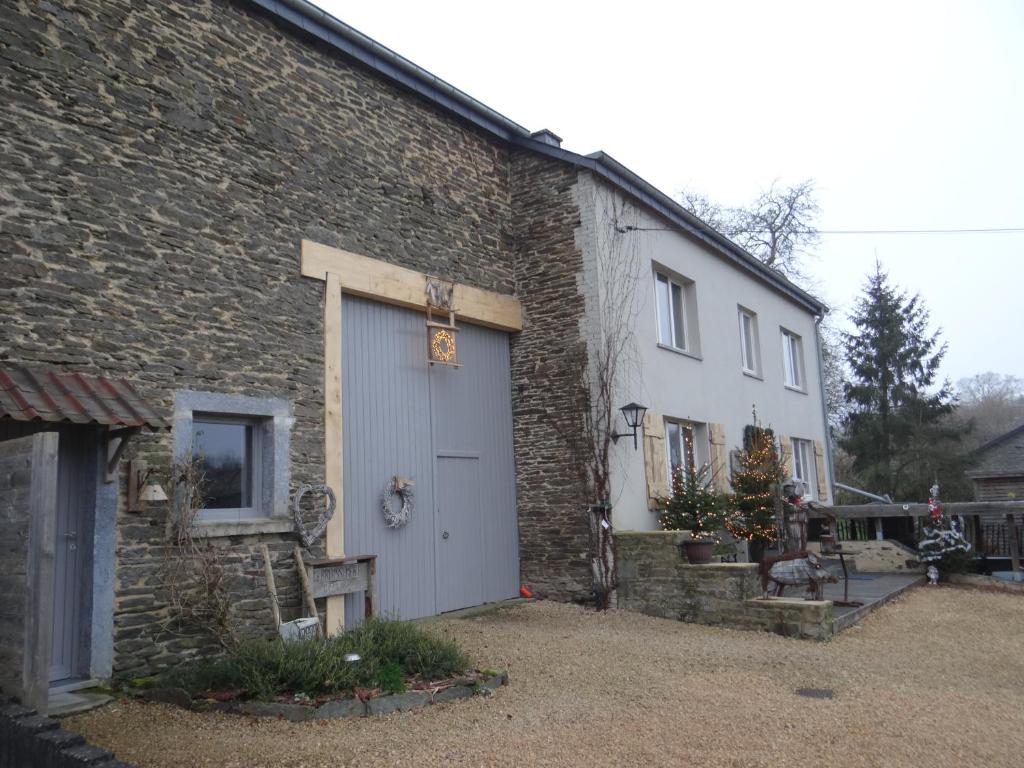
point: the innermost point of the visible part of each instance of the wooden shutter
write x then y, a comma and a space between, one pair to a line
719, 457
786, 454
655, 460
819, 465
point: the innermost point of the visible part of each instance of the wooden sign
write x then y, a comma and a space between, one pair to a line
339, 576
331, 580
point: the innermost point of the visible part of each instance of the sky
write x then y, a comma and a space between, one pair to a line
906, 115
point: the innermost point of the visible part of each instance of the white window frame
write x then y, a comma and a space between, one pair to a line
698, 432
675, 315
254, 472
751, 353
792, 360
805, 467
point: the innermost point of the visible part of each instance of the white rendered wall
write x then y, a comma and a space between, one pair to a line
712, 388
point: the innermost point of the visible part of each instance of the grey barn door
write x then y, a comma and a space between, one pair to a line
450, 431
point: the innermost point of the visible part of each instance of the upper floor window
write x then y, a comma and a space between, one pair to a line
671, 312
750, 353
676, 300
792, 360
804, 468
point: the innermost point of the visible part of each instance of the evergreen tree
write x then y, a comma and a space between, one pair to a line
758, 469
896, 429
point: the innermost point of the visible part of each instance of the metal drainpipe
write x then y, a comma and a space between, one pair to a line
824, 408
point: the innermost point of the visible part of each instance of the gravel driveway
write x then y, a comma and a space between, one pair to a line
934, 679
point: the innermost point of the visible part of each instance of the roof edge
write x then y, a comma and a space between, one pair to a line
629, 182
999, 439
320, 24
307, 17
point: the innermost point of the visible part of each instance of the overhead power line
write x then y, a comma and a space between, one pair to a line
980, 230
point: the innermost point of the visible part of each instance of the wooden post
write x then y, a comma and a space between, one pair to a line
979, 534
268, 569
1011, 533
334, 440
371, 590
307, 593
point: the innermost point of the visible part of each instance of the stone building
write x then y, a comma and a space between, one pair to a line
221, 224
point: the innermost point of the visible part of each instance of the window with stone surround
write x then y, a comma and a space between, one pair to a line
242, 444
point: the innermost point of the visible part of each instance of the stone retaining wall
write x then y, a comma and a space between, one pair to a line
656, 579
29, 739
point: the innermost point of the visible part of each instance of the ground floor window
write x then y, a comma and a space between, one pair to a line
241, 444
687, 445
804, 468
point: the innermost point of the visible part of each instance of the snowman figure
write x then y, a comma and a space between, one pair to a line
933, 574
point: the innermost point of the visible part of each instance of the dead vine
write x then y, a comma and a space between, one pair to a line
193, 571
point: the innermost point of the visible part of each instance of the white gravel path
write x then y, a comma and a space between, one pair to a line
934, 679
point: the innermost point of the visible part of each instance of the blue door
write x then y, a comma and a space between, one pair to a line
72, 578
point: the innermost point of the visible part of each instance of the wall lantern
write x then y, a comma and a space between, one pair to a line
140, 489
633, 413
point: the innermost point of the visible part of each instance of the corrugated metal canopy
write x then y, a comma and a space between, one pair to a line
75, 398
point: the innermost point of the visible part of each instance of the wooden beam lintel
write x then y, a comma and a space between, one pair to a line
392, 284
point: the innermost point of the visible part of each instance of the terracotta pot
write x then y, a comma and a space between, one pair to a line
699, 552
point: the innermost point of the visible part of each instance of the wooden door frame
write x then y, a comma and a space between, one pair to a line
345, 272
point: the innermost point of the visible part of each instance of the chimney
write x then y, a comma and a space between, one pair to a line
547, 137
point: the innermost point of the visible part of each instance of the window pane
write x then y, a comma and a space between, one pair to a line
790, 362
675, 450
225, 450
795, 355
748, 341
664, 311
679, 339
688, 458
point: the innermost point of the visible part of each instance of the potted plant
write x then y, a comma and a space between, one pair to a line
695, 506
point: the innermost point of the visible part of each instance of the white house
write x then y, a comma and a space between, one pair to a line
709, 335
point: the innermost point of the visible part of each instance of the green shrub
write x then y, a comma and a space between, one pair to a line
389, 651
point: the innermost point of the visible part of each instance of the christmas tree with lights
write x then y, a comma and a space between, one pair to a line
943, 545
758, 469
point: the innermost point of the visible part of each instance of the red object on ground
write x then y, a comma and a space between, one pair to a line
524, 591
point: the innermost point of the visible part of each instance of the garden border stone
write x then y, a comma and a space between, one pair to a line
463, 688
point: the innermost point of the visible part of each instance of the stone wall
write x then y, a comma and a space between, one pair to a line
546, 377
30, 739
162, 163
15, 488
656, 579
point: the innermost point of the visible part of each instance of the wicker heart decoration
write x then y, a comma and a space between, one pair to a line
310, 536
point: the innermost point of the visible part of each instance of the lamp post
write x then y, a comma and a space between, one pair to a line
633, 413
